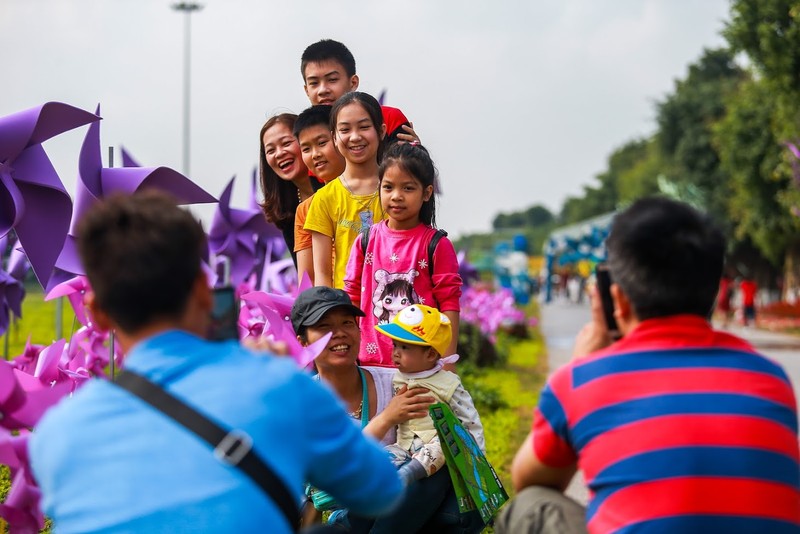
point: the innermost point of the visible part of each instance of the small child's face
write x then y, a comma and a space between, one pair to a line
326, 81
413, 358
320, 154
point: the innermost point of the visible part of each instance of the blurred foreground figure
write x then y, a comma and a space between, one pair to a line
107, 461
677, 427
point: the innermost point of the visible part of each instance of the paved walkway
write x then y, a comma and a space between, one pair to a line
561, 321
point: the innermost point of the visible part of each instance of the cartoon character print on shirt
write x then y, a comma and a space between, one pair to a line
393, 292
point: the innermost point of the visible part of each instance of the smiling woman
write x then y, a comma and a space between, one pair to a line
285, 181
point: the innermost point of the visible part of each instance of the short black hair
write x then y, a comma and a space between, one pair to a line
327, 50
319, 115
667, 257
142, 255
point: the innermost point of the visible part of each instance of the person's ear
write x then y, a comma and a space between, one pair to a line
383, 131
203, 294
427, 192
354, 82
100, 319
623, 310
432, 355
302, 341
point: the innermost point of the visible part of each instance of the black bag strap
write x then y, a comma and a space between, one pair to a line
232, 447
432, 247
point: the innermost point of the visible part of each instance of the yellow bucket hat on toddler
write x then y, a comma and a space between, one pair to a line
420, 325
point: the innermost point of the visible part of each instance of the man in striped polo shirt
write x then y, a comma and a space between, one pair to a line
677, 427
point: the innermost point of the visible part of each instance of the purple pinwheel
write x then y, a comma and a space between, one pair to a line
33, 200
74, 289
237, 233
24, 399
279, 330
96, 182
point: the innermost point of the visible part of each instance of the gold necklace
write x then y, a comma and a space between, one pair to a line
363, 204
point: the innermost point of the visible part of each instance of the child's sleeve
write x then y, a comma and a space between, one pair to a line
353, 273
446, 280
463, 408
319, 218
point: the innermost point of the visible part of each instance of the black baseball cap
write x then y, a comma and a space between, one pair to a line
312, 304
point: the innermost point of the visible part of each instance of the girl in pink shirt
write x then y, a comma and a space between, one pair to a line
396, 268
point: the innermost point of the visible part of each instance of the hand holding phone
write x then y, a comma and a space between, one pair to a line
604, 290
224, 315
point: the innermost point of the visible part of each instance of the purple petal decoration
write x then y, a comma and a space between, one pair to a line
96, 182
18, 264
253, 204
11, 295
23, 408
127, 159
33, 200
237, 233
74, 289
280, 330
21, 507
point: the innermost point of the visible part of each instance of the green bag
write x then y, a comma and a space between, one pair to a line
322, 501
474, 479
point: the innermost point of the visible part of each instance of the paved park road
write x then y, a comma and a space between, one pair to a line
562, 320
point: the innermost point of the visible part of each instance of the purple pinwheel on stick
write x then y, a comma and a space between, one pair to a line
237, 235
33, 200
96, 182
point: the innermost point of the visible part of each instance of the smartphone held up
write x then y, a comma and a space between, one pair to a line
603, 277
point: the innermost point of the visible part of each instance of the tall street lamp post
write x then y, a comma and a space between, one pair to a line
187, 8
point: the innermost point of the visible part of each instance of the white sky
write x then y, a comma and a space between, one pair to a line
519, 101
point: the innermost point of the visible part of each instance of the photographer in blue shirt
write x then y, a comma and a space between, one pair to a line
108, 462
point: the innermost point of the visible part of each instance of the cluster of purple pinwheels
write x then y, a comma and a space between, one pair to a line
38, 219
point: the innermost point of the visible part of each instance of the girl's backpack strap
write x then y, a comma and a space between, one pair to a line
432, 247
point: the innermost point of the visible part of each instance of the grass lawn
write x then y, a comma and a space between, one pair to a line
38, 321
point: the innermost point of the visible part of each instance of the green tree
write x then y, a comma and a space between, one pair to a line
750, 154
685, 121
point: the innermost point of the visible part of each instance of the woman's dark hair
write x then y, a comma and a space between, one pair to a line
280, 197
373, 109
415, 160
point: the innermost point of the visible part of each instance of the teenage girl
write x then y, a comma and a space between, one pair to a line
350, 204
284, 177
397, 254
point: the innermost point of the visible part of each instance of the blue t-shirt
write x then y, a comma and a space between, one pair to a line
106, 461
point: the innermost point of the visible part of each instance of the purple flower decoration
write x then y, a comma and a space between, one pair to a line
240, 235
96, 182
33, 200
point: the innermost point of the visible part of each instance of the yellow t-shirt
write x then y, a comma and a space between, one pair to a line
337, 213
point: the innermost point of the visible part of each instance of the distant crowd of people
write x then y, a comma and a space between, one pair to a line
675, 426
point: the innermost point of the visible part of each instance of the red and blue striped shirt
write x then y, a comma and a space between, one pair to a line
677, 428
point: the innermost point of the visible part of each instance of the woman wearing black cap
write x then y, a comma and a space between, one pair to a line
367, 394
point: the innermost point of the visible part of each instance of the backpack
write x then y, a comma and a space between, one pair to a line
431, 245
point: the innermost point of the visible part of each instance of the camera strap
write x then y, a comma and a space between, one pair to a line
232, 447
